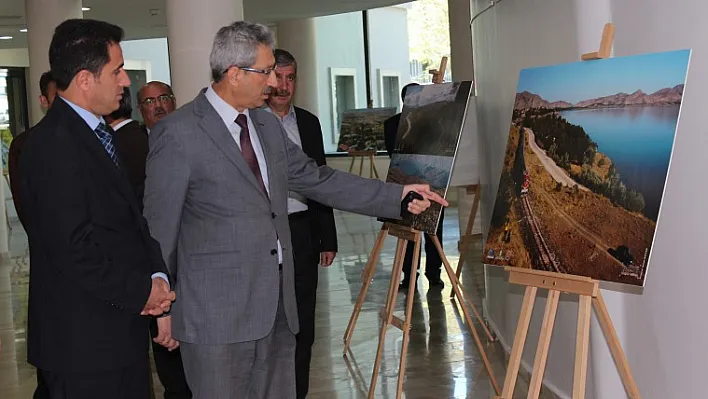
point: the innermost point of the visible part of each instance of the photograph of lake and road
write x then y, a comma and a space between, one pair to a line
585, 166
426, 143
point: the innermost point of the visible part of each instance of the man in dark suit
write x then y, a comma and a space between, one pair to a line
131, 142
48, 90
312, 226
433, 262
96, 272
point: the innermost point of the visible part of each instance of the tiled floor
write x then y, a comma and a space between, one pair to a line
442, 360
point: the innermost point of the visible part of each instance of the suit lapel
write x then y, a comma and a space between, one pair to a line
212, 124
98, 153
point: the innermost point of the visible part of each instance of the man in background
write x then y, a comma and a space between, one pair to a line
433, 262
48, 91
131, 142
156, 101
312, 227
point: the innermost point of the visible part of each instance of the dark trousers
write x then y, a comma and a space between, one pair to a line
128, 383
306, 271
433, 262
169, 368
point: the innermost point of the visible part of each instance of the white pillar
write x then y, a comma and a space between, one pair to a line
43, 16
460, 40
191, 27
298, 37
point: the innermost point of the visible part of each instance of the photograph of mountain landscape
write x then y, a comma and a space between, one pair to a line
426, 143
585, 166
362, 129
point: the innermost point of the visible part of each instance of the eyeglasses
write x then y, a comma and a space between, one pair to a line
266, 72
163, 98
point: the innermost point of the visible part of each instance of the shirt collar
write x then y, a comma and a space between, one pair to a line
227, 113
121, 124
91, 120
290, 115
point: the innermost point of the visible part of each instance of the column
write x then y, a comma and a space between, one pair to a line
298, 36
460, 40
42, 18
191, 27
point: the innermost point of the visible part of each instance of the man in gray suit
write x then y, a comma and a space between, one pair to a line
218, 175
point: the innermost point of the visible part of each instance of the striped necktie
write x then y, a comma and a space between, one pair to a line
105, 135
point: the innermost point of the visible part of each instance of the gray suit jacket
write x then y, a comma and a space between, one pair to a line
217, 230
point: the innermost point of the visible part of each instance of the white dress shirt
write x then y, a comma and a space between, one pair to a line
228, 114
296, 202
121, 124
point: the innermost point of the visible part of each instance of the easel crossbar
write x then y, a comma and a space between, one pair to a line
553, 281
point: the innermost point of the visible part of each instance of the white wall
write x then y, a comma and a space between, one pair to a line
666, 323
388, 46
14, 57
153, 51
339, 41
340, 44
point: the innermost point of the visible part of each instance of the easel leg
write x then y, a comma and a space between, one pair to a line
351, 165
608, 329
409, 312
368, 275
517, 350
466, 238
465, 312
361, 166
582, 342
390, 306
544, 342
457, 290
373, 167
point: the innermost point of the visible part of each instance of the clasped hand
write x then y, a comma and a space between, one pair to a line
160, 298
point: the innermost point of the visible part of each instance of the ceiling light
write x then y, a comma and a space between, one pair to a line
85, 8
5, 37
23, 30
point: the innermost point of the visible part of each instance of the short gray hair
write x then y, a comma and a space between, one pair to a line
237, 45
283, 58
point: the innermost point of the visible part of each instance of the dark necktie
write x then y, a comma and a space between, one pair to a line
104, 134
247, 150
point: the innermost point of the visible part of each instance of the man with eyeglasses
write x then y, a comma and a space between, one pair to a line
218, 175
156, 101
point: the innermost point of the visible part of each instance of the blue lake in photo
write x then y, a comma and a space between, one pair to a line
638, 140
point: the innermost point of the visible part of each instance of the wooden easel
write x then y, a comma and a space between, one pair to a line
363, 155
404, 235
588, 291
468, 237
439, 74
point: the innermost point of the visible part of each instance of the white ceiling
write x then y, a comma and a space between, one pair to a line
136, 16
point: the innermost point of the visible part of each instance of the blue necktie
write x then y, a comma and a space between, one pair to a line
106, 137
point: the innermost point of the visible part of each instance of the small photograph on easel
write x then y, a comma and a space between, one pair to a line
585, 166
363, 129
426, 143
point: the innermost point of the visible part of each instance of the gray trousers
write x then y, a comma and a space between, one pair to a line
262, 369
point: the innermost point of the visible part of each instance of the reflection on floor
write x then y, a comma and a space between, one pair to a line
443, 361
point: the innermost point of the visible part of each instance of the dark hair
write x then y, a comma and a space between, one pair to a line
125, 109
80, 44
44, 82
405, 88
284, 58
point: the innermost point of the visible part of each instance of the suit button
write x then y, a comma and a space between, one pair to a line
272, 215
273, 251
